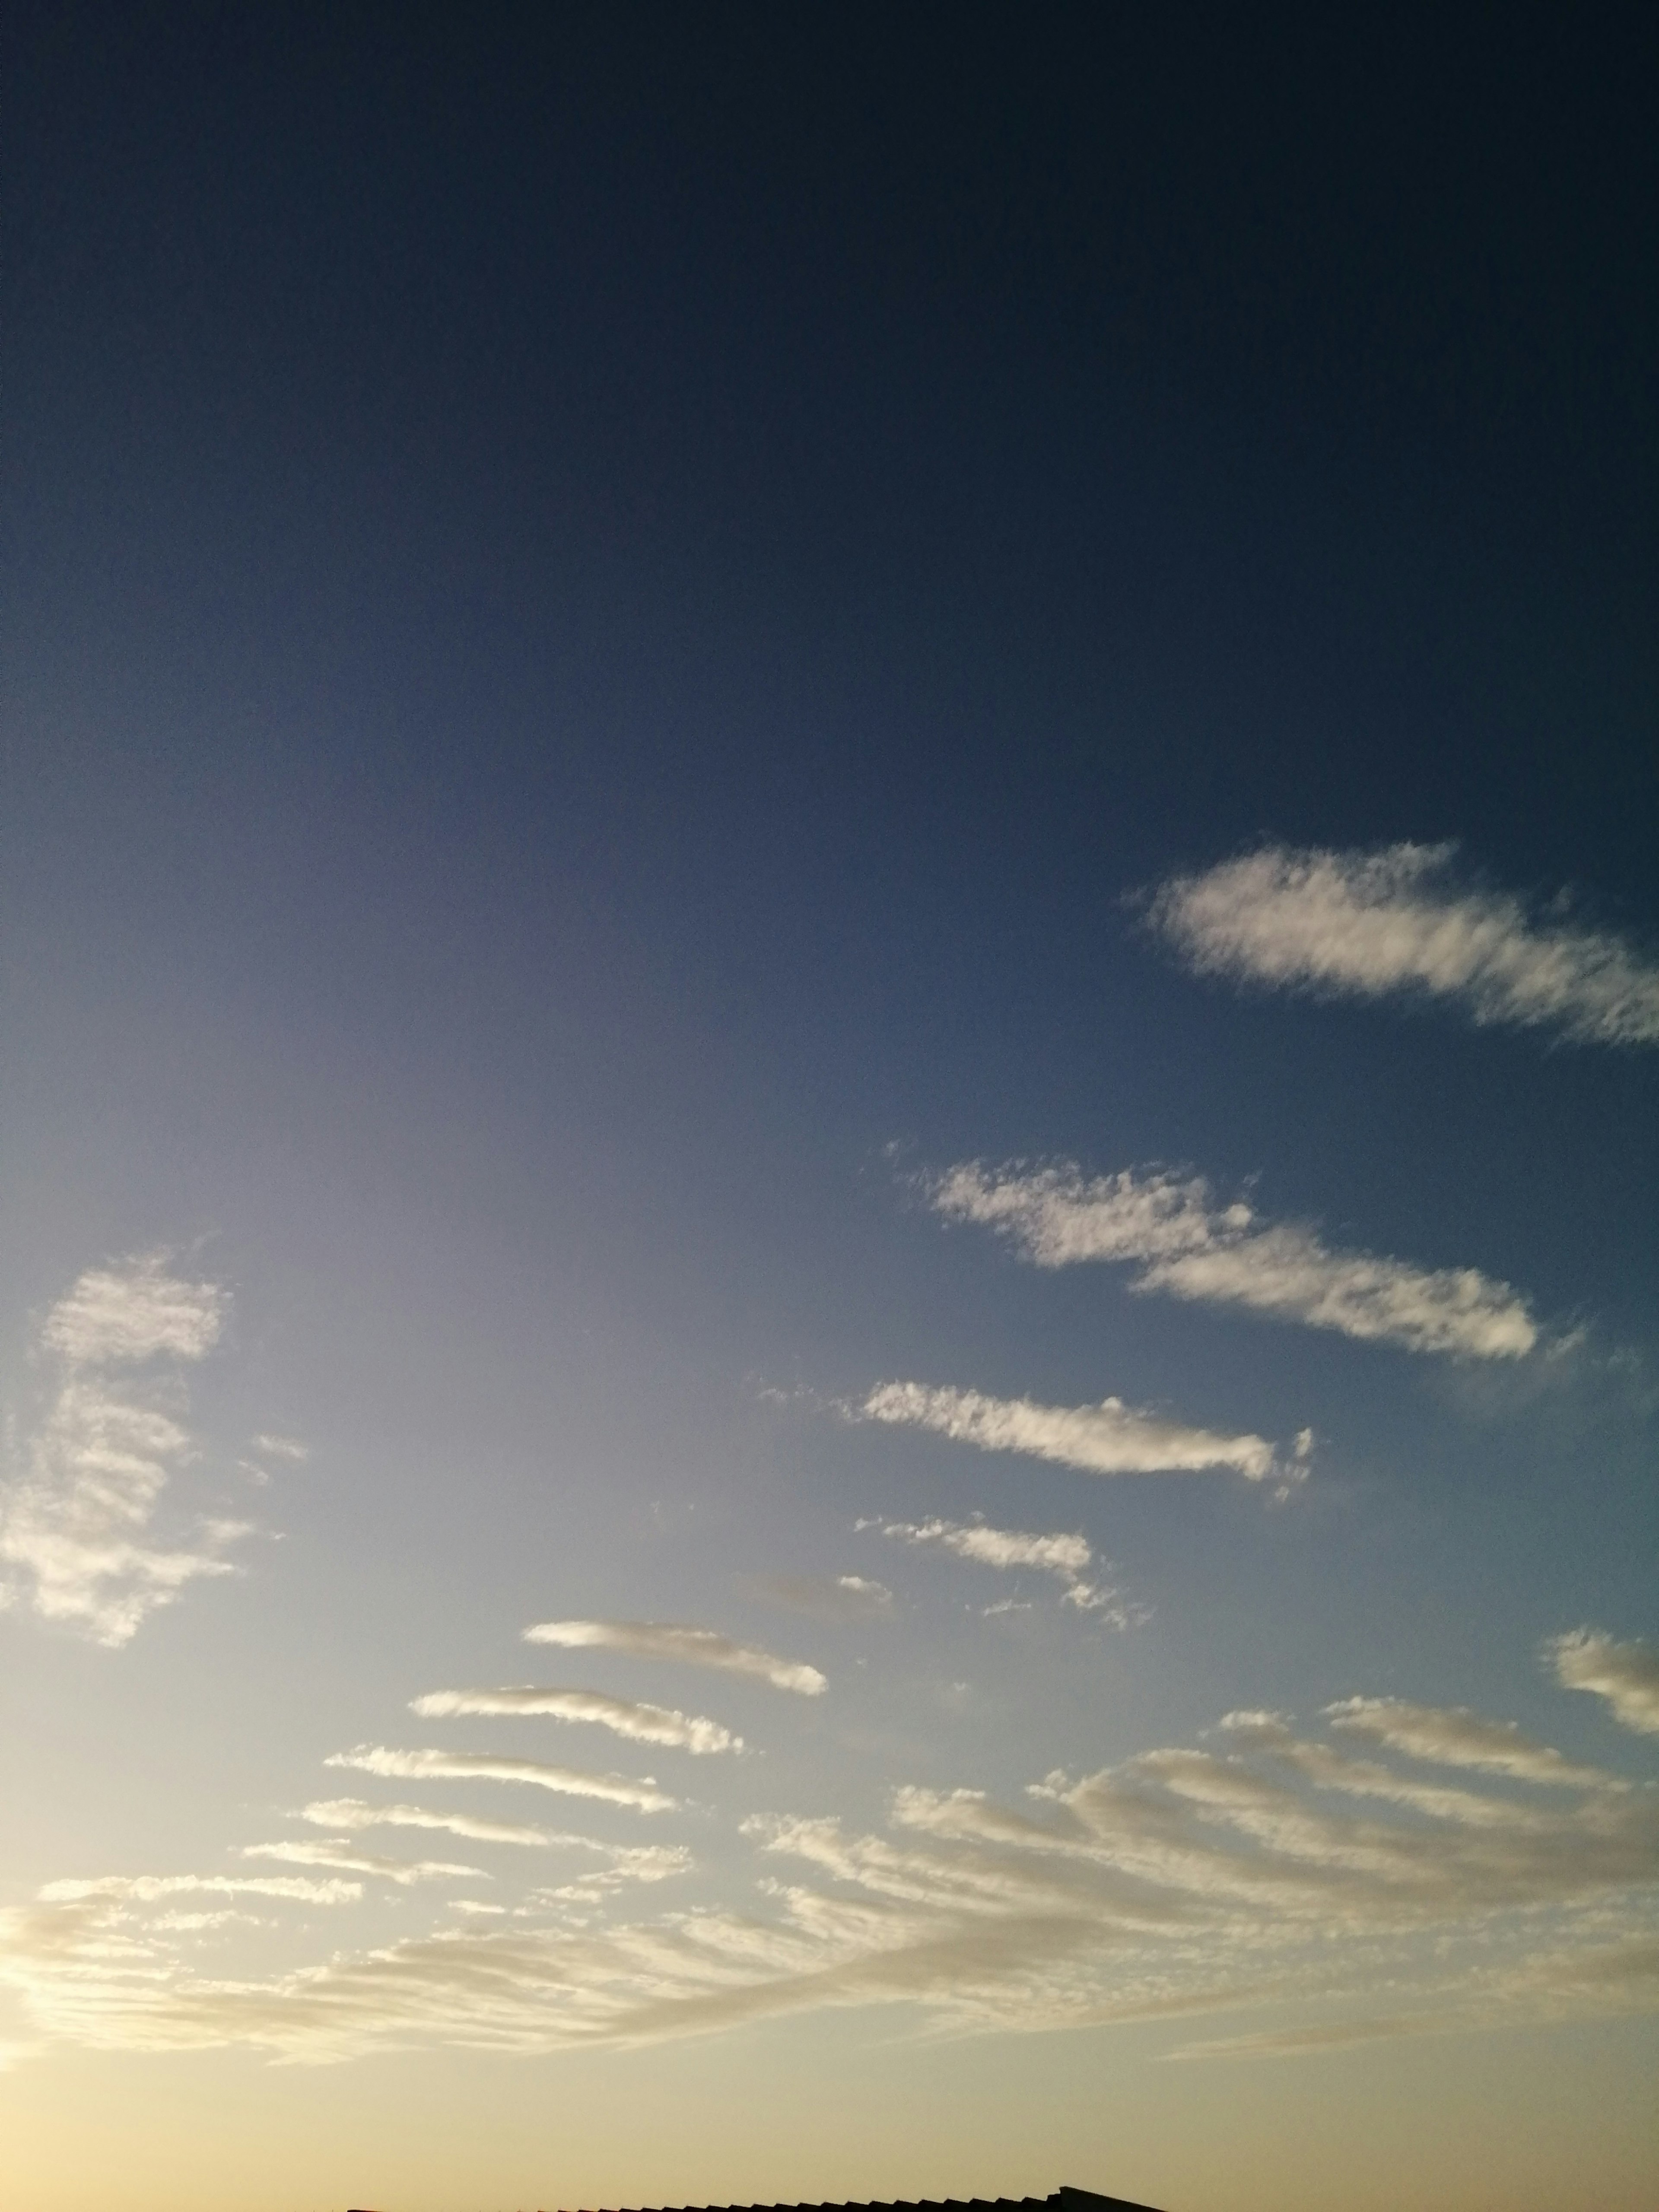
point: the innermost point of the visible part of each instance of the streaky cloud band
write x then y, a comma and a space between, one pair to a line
691, 1647
641, 1723
484, 1766
1369, 924
1109, 1439
1185, 1245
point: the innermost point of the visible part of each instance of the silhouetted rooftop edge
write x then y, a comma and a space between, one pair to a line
1061, 2200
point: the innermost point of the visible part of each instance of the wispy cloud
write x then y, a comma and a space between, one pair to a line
1370, 924
1280, 1869
1110, 1439
1170, 1227
145, 1888
1625, 1674
641, 1724
824, 1597
353, 1814
691, 1647
467, 1766
1454, 1737
625, 1867
132, 1311
1069, 1558
345, 1859
288, 1447
74, 1520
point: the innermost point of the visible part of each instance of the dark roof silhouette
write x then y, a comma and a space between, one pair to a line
1062, 2200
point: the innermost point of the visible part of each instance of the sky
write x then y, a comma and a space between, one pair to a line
829, 1269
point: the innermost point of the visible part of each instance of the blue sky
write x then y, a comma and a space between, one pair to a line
832, 999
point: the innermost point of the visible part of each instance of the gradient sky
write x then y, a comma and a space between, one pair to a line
830, 1280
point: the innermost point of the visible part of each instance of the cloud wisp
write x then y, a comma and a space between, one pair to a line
1280, 1868
1070, 1559
641, 1723
1109, 1439
486, 1766
1184, 1244
354, 1814
1625, 1674
1454, 1737
685, 1647
824, 1597
132, 1311
344, 1858
1374, 924
76, 1516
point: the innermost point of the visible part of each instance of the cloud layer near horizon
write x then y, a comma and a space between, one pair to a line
1109, 1439
1185, 1245
1369, 924
1277, 1868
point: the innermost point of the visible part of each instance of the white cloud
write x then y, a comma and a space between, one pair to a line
288, 1447
1454, 1737
641, 1724
1110, 1439
1369, 924
132, 1312
466, 1766
1186, 1246
1279, 1871
625, 1866
347, 1860
1070, 1559
351, 1812
1625, 1674
693, 1647
74, 1520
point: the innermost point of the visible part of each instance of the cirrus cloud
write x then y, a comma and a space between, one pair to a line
1186, 1246
641, 1723
1369, 924
688, 1647
1069, 1558
485, 1766
1109, 1439
77, 1517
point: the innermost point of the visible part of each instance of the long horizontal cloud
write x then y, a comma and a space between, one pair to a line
75, 1521
1187, 1246
1069, 1558
1454, 1737
641, 1723
689, 1647
354, 1814
146, 1888
1369, 924
1625, 1674
344, 1859
484, 1766
1278, 1868
1110, 1439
